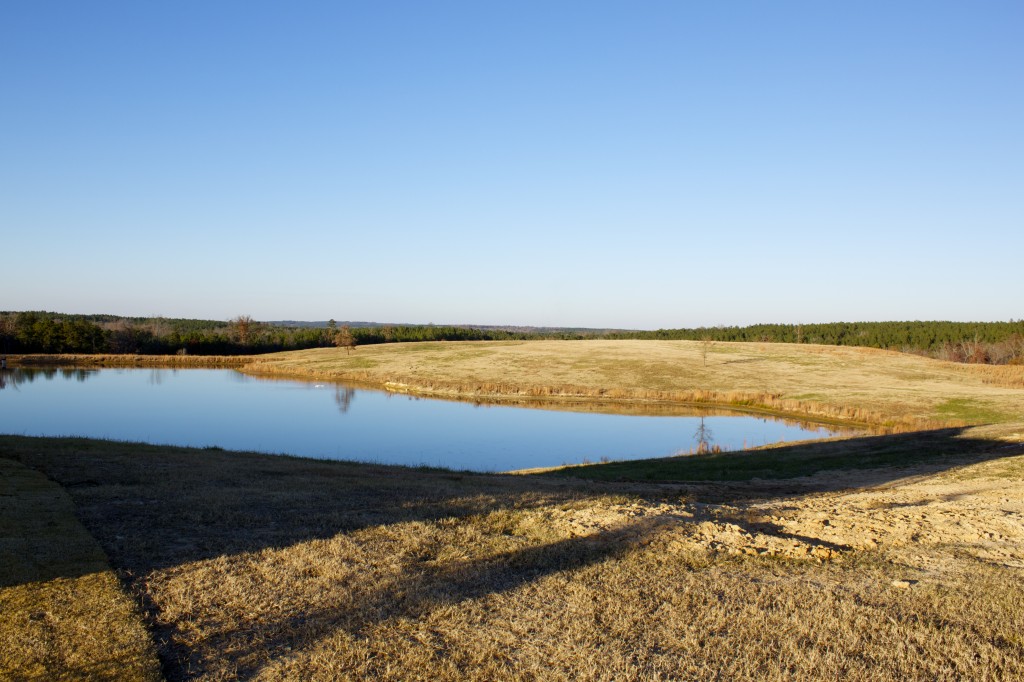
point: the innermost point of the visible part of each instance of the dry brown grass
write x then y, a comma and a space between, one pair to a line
63, 614
900, 391
276, 568
1011, 376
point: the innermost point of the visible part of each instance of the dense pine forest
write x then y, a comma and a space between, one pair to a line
45, 332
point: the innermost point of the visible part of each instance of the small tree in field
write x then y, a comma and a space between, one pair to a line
345, 339
705, 346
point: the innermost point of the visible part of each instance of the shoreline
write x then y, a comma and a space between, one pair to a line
571, 402
763, 404
569, 398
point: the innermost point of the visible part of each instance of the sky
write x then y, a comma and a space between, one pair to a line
570, 163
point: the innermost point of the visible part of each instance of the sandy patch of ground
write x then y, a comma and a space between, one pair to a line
975, 511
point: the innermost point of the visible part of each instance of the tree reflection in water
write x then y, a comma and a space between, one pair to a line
704, 438
12, 378
343, 396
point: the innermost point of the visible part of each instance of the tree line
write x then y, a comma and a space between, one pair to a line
44, 332
977, 342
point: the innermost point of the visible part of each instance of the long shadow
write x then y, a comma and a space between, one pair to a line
419, 589
153, 508
802, 468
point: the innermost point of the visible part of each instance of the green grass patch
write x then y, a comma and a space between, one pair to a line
971, 411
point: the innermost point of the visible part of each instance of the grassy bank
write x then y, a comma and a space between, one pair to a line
267, 567
859, 385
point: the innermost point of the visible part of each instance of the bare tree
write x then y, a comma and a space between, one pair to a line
345, 339
1016, 347
124, 337
243, 328
973, 351
705, 346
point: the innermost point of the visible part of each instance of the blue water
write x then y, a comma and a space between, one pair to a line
223, 408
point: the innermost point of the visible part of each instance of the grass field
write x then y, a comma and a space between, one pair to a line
879, 557
855, 384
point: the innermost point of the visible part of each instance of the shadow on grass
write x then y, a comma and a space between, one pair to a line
420, 589
154, 508
878, 459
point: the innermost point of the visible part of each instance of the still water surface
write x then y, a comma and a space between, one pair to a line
227, 409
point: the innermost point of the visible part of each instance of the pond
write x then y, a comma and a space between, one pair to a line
230, 410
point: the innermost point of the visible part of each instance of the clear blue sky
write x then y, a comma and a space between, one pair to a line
654, 164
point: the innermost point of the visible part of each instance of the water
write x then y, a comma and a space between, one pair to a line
227, 409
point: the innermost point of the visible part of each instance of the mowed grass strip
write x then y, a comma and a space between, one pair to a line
265, 567
63, 614
863, 385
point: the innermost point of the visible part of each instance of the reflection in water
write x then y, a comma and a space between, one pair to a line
704, 438
343, 396
227, 409
12, 378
